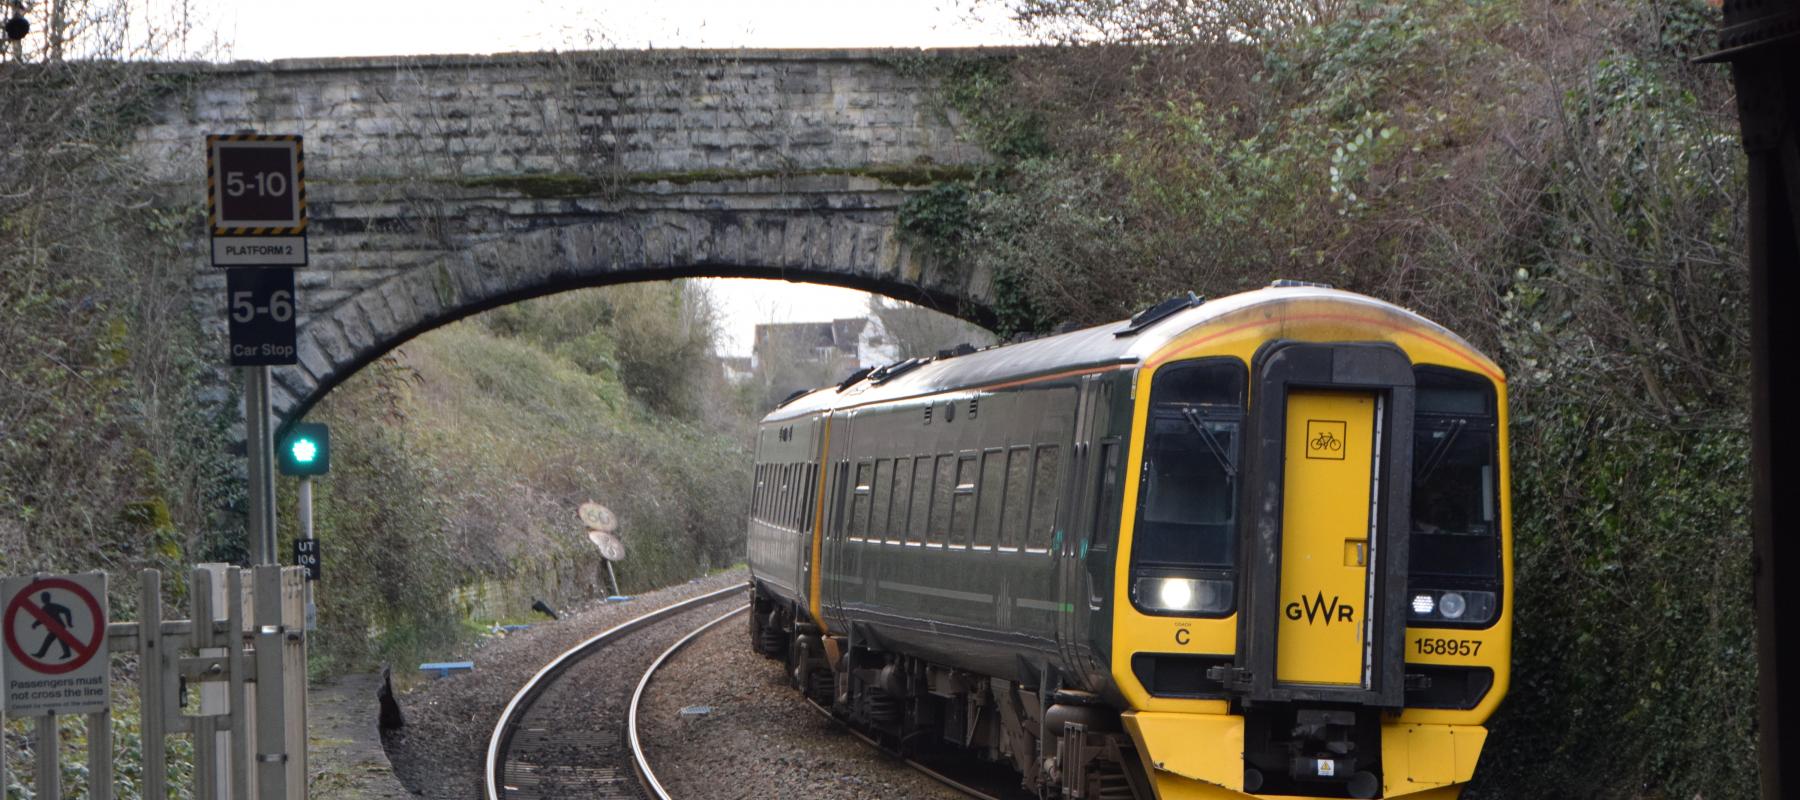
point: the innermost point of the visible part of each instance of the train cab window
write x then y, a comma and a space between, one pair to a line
884, 492
988, 495
1045, 474
1017, 503
919, 515
1184, 550
1455, 542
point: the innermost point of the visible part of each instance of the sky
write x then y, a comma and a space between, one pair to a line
264, 31
261, 30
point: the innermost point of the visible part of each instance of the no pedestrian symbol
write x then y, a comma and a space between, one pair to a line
55, 658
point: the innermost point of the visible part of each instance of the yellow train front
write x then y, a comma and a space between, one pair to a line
1271, 555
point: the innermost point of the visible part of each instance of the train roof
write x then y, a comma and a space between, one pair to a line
1100, 345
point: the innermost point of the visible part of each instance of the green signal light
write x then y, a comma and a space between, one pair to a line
305, 451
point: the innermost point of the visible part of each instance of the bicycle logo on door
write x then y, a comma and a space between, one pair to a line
1325, 439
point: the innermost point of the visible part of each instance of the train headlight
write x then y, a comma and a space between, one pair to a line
1193, 595
1452, 605
1423, 605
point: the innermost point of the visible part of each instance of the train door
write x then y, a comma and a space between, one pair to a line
1322, 614
833, 553
1329, 467
1091, 525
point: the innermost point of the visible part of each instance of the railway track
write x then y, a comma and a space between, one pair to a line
537, 751
533, 754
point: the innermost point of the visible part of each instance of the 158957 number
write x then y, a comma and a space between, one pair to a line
1447, 647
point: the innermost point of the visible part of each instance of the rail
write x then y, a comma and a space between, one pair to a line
521, 702
646, 775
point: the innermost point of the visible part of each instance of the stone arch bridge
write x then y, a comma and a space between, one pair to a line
439, 187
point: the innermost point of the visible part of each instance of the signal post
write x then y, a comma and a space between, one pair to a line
256, 207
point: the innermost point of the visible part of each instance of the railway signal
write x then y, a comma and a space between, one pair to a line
306, 451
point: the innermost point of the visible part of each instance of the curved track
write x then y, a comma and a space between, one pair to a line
645, 774
535, 752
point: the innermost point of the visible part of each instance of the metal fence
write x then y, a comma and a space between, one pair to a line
232, 676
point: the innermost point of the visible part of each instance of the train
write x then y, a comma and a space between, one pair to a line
1252, 546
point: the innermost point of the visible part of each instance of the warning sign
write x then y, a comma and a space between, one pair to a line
55, 659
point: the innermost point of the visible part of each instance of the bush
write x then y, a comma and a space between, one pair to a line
1560, 185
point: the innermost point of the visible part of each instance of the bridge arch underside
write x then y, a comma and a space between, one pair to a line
857, 249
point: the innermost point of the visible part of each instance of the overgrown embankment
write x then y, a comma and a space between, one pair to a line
459, 462
461, 458
1556, 182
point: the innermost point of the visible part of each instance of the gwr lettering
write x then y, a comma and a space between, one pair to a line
1316, 608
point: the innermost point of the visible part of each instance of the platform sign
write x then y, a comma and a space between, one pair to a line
259, 313
256, 200
55, 654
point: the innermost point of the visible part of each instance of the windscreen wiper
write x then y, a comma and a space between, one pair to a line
1212, 442
1439, 453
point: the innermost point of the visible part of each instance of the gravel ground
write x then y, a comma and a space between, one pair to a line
761, 739
440, 752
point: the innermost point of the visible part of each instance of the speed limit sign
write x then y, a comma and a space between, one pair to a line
256, 200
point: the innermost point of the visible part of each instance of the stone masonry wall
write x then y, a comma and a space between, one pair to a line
439, 186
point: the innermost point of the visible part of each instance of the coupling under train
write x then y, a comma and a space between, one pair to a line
1254, 546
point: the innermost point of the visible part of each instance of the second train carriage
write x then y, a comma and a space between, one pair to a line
1258, 546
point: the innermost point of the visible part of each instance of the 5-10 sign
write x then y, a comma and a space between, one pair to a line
256, 200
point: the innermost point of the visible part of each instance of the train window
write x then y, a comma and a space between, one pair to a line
777, 491
803, 489
943, 487
1044, 476
756, 493
884, 492
859, 503
988, 498
1455, 519
1188, 503
921, 501
962, 502
896, 532
1106, 525
1106, 511
1016, 503
789, 487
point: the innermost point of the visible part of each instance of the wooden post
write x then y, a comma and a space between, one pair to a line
49, 758
100, 756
